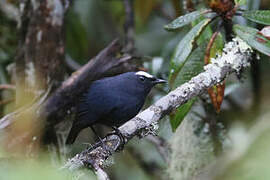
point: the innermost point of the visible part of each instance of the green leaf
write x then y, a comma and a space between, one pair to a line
180, 114
206, 34
184, 20
77, 43
184, 49
258, 16
192, 67
217, 46
240, 2
252, 37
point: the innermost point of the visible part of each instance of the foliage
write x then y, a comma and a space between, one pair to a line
196, 34
184, 20
258, 16
184, 48
253, 38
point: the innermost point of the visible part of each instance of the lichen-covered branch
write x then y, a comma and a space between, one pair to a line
236, 56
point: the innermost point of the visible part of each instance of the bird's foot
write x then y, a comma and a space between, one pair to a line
121, 136
100, 142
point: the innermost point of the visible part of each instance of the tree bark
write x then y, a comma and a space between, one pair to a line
41, 52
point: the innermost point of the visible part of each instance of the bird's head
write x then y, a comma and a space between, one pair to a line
146, 81
136, 82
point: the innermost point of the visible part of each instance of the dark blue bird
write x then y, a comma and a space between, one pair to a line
112, 101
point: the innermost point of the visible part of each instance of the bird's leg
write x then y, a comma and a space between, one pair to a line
94, 131
107, 148
99, 138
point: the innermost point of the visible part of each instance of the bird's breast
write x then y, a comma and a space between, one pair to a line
125, 109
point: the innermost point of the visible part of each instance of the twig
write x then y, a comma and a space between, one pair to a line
7, 101
7, 86
209, 47
129, 25
101, 174
151, 168
236, 56
73, 65
161, 145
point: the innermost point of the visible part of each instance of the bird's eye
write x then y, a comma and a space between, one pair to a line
142, 78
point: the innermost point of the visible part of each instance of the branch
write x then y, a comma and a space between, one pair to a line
7, 86
161, 145
75, 85
235, 57
151, 168
65, 96
4, 102
72, 64
129, 25
209, 47
101, 174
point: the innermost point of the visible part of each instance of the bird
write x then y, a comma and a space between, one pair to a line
112, 101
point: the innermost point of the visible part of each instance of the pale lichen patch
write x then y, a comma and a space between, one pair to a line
56, 12
35, 4
236, 55
30, 74
39, 36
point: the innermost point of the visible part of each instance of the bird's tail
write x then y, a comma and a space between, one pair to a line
73, 134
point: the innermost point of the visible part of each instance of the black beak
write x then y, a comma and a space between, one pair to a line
159, 81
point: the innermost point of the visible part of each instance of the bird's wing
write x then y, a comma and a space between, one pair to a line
97, 102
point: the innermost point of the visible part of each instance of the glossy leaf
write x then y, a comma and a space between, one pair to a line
258, 16
265, 32
205, 36
217, 46
182, 111
215, 49
253, 38
184, 20
193, 66
206, 33
184, 49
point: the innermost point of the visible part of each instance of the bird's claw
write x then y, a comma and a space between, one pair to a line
121, 137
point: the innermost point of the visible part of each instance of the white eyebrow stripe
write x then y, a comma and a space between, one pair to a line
142, 73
